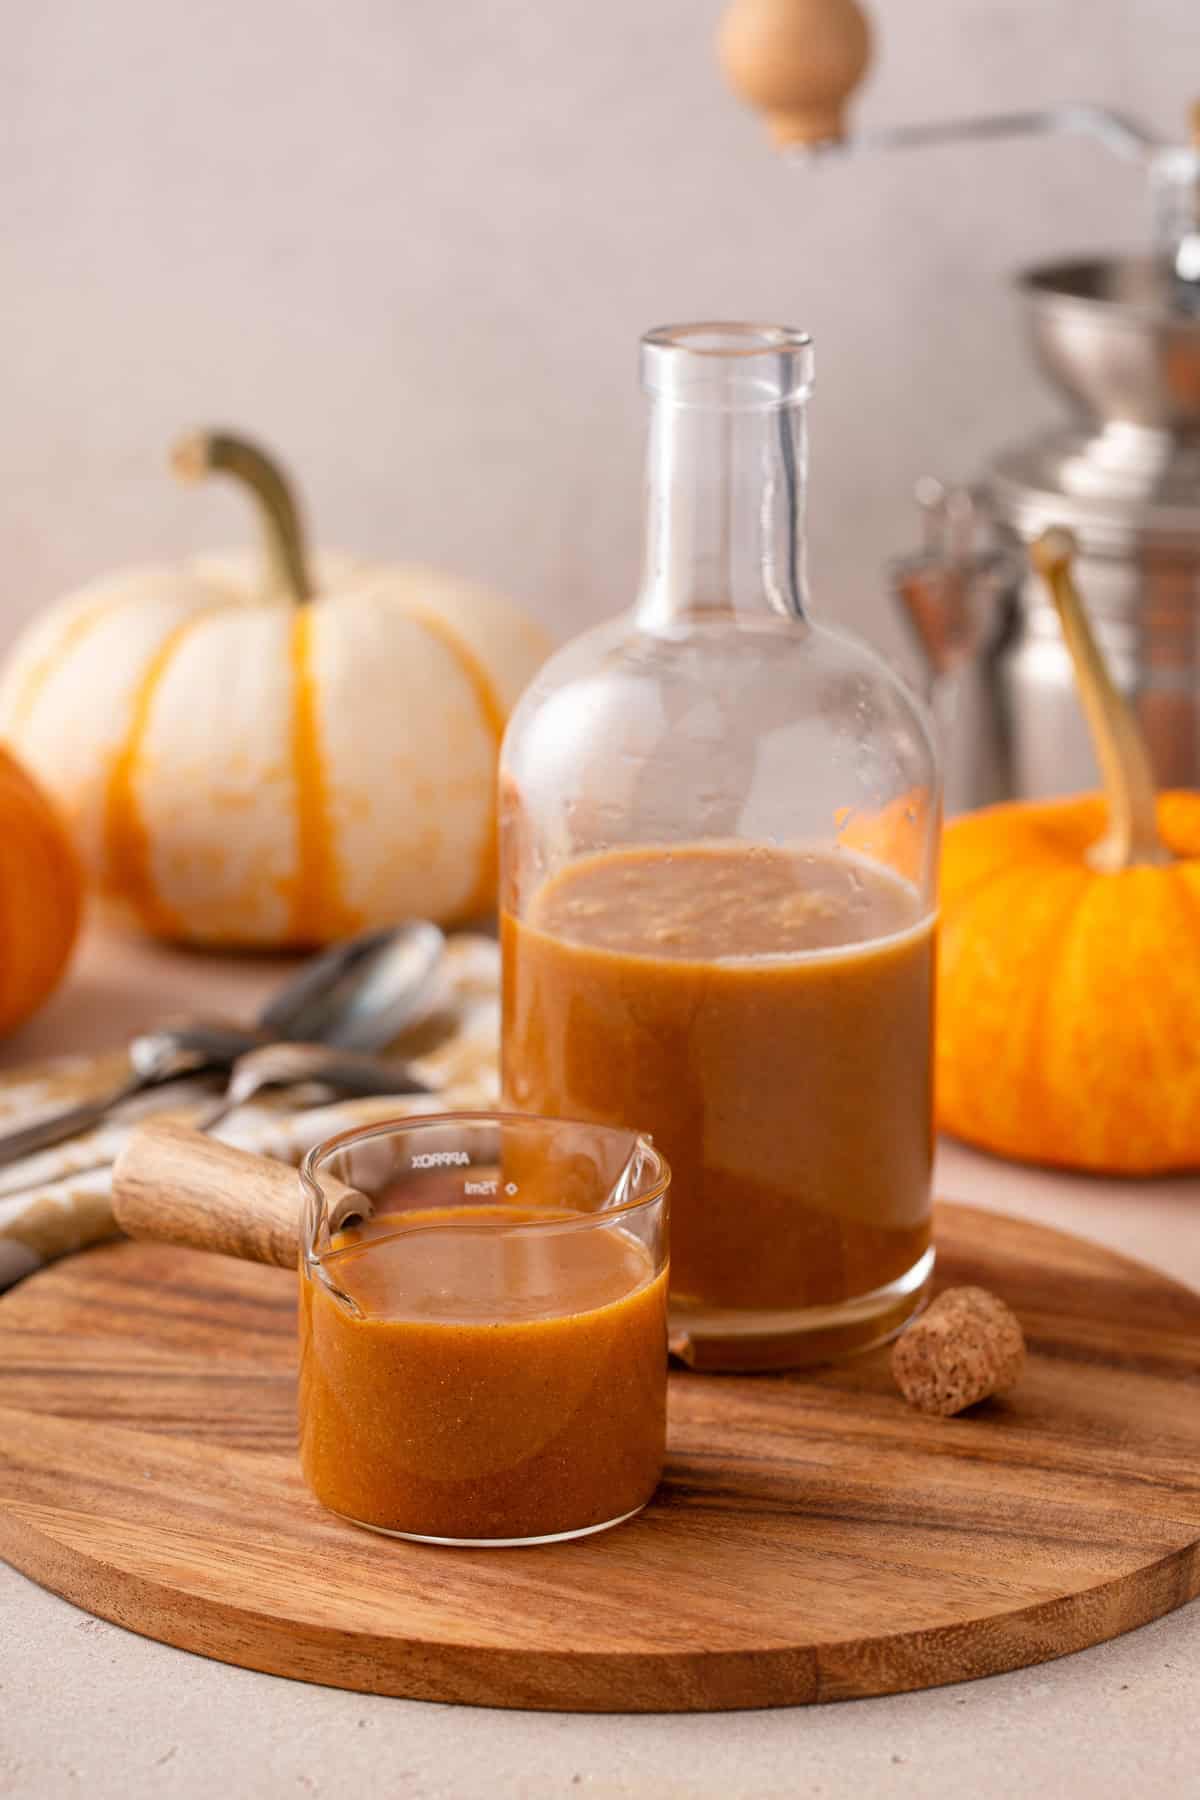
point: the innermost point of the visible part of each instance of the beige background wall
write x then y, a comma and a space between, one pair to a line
413, 244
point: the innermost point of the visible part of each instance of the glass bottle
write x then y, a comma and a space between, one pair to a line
719, 828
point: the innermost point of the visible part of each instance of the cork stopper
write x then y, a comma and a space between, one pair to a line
967, 1345
797, 61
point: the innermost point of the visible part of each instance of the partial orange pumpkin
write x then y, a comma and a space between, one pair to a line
41, 895
1069, 956
1069, 1003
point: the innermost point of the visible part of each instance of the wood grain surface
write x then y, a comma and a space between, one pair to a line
813, 1540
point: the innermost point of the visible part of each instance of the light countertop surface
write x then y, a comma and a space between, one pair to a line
89, 1709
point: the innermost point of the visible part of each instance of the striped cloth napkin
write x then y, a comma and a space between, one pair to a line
58, 1200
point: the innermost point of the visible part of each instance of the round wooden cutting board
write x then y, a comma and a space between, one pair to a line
813, 1540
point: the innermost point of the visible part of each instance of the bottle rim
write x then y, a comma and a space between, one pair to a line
737, 365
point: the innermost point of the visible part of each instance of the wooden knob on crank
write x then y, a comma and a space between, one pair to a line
797, 61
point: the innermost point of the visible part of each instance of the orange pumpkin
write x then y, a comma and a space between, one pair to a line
1069, 960
41, 895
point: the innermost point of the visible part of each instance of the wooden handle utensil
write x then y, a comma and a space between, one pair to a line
178, 1187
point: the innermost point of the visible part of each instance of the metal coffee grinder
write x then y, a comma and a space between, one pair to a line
1119, 339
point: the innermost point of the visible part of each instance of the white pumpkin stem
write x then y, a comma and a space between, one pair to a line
222, 452
1132, 835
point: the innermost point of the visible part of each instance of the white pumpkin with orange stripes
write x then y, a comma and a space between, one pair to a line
267, 755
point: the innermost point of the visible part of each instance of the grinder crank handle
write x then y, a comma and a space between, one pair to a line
799, 61
175, 1186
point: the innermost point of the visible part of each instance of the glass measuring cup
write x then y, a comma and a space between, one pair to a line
483, 1336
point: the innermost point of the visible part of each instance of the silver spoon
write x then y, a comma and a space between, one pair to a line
358, 996
287, 1065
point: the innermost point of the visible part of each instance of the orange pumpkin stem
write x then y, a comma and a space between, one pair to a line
1132, 835
223, 452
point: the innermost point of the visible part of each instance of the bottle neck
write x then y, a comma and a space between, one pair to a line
725, 527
